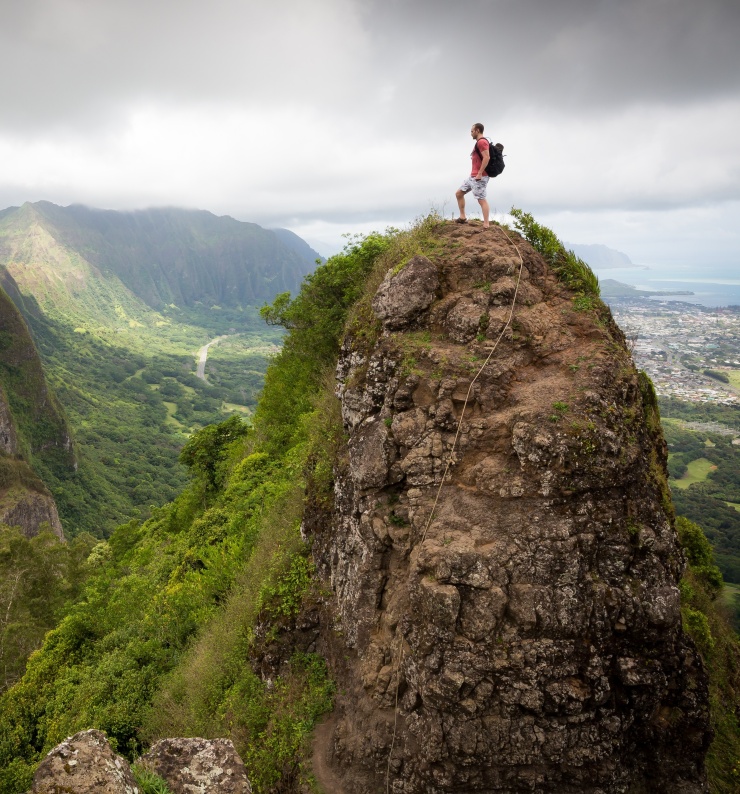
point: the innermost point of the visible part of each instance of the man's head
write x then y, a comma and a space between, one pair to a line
476, 131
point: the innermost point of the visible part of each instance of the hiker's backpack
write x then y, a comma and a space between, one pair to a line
495, 163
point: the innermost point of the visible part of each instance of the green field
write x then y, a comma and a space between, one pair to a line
696, 471
734, 376
729, 592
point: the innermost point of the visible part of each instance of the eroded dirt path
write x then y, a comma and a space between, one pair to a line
323, 773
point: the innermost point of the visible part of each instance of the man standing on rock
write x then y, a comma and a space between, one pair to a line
478, 179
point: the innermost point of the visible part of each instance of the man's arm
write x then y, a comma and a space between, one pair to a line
485, 157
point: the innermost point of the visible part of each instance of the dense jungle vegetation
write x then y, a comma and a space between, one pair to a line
119, 304
712, 496
132, 399
159, 625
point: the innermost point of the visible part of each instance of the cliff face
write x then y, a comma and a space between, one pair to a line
39, 421
519, 628
32, 425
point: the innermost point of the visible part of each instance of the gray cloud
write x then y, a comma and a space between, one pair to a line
341, 111
84, 61
569, 53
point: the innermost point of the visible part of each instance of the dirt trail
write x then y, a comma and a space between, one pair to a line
325, 777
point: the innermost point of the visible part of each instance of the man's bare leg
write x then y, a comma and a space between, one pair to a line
486, 212
461, 203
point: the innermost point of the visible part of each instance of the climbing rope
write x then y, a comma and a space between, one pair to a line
450, 463
451, 456
395, 715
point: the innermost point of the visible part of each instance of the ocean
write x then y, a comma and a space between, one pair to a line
712, 285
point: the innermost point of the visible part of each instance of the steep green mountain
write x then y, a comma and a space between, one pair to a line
41, 426
211, 619
33, 430
65, 255
38, 572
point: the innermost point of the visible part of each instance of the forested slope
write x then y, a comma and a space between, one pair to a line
204, 619
119, 305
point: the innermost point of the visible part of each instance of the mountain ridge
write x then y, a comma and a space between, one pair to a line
600, 256
173, 255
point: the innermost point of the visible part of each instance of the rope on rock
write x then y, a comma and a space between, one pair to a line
451, 457
395, 715
450, 463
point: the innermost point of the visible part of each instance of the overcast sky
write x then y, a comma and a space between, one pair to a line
620, 118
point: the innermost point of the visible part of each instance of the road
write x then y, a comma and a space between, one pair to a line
203, 355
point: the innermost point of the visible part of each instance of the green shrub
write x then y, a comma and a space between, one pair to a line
717, 375
568, 267
16, 777
699, 553
697, 625
719, 647
148, 781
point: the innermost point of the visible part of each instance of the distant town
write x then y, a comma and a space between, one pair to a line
691, 352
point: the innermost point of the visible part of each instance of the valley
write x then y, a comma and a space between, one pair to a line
133, 399
120, 307
692, 355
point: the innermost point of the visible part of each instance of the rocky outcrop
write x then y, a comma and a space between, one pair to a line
206, 766
31, 510
515, 626
32, 426
84, 764
404, 295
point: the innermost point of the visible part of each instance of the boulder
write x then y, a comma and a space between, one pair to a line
84, 764
405, 294
198, 766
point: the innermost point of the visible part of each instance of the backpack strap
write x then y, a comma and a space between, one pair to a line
478, 151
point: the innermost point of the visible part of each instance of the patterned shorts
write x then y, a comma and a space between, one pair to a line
478, 186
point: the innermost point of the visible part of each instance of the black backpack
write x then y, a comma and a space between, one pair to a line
496, 158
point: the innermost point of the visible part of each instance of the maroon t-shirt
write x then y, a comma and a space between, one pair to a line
482, 146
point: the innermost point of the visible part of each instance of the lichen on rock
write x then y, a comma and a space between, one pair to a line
84, 764
209, 766
516, 625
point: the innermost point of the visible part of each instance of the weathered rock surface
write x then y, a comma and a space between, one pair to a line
29, 510
524, 634
198, 766
84, 764
403, 296
8, 436
37, 429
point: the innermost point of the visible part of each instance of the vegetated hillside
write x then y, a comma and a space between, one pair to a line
38, 570
713, 498
210, 619
162, 256
124, 371
33, 430
41, 427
